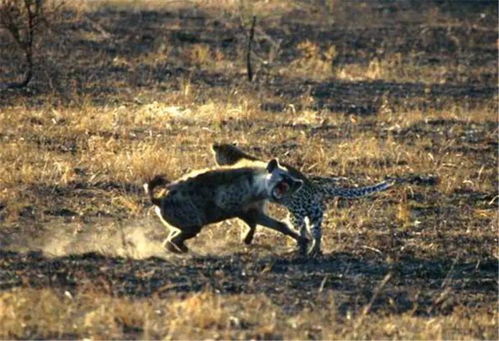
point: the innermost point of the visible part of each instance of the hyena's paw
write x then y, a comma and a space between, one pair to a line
248, 239
175, 248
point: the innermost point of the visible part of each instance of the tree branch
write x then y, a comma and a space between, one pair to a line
248, 52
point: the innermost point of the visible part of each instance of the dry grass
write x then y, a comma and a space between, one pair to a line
126, 90
45, 313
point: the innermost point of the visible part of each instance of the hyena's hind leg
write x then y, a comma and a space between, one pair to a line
176, 237
175, 242
167, 242
172, 232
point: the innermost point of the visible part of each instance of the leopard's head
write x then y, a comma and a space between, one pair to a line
227, 154
280, 183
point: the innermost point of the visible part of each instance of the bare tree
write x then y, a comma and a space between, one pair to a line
23, 19
248, 52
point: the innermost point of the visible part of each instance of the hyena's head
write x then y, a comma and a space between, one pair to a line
280, 184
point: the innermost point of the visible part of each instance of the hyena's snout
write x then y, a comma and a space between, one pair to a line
287, 186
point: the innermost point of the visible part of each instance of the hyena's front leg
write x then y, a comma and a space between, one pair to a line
248, 238
264, 220
250, 219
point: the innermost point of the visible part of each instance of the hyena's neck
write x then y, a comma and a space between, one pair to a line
259, 187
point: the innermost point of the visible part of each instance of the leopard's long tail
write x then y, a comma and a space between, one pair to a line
345, 192
158, 180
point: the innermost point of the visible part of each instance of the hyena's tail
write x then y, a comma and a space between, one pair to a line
158, 180
344, 192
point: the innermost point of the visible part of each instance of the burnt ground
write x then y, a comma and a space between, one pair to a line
415, 285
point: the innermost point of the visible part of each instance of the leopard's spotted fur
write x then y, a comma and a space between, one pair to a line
306, 203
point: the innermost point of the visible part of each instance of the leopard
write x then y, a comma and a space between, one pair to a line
307, 205
209, 196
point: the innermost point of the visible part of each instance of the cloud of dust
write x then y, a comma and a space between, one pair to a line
131, 239
139, 239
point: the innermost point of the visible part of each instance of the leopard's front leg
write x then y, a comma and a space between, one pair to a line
297, 219
315, 219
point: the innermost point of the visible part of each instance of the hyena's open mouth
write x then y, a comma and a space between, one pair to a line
280, 189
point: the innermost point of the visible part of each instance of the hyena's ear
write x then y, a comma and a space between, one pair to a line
272, 165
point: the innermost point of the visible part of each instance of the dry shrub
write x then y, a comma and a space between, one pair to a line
24, 20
